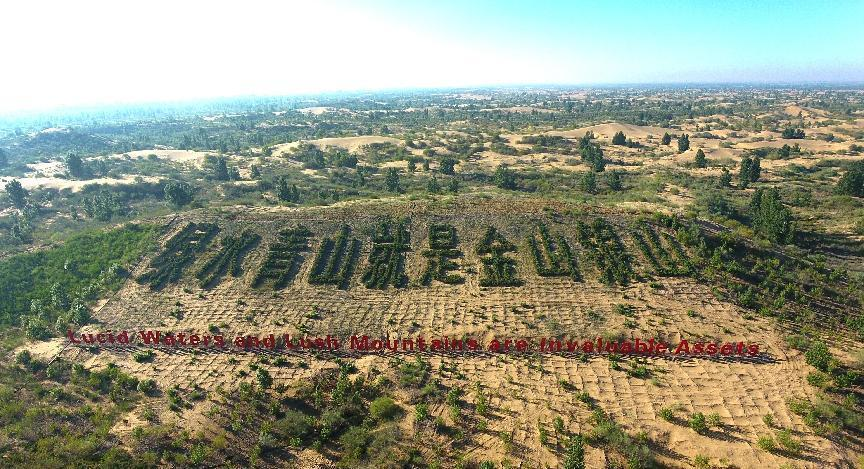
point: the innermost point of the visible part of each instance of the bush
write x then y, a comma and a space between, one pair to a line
697, 422
787, 442
383, 408
714, 420
293, 425
575, 457
818, 356
766, 443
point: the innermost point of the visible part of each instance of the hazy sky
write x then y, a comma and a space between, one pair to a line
62, 53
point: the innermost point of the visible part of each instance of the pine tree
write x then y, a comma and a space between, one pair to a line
667, 139
744, 173
588, 182
700, 160
683, 143
619, 138
613, 180
75, 165
448, 166
755, 169
592, 155
392, 181
432, 186
178, 194
725, 178
770, 217
504, 177
17, 194
852, 183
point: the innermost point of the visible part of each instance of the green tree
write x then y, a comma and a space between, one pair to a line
287, 193
744, 172
177, 193
755, 169
619, 138
790, 132
75, 166
667, 139
220, 169
391, 181
255, 171
588, 182
852, 182
613, 180
770, 217
17, 194
592, 155
504, 177
432, 186
700, 160
453, 185
683, 143
448, 166
725, 178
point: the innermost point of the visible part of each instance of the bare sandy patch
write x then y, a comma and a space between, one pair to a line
352, 144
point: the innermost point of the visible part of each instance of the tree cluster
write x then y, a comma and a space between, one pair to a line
790, 132
770, 217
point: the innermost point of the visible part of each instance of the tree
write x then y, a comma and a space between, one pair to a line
17, 194
725, 178
588, 182
432, 186
700, 160
770, 217
178, 194
751, 170
852, 183
619, 138
448, 166
412, 165
504, 177
683, 143
287, 193
75, 166
755, 169
4, 158
255, 172
453, 185
220, 169
790, 132
391, 181
613, 180
592, 155
744, 172
667, 139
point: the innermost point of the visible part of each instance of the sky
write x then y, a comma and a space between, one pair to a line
62, 53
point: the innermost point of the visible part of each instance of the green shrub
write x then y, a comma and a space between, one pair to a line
766, 443
787, 442
383, 408
697, 422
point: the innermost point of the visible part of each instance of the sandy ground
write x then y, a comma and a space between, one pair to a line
60, 183
352, 144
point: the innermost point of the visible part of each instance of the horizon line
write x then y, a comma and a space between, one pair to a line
116, 105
